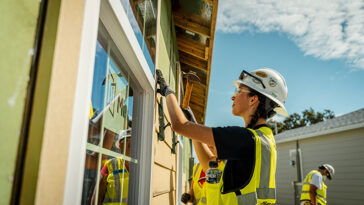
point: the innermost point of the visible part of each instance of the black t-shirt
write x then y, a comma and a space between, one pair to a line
237, 146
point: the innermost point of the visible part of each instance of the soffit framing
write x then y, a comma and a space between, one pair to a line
195, 22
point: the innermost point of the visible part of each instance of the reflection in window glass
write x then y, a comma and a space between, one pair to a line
142, 16
106, 175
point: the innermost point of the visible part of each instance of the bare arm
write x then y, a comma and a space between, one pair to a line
204, 154
312, 191
186, 128
102, 190
192, 194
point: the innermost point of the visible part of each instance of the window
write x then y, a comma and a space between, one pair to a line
109, 161
142, 16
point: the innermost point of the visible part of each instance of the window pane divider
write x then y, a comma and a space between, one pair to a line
104, 151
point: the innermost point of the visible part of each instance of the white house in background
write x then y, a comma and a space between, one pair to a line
339, 142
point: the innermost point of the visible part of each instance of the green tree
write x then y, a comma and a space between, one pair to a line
295, 120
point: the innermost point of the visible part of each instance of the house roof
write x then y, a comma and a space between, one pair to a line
195, 22
345, 122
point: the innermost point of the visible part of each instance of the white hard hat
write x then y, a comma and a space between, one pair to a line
330, 169
122, 135
269, 83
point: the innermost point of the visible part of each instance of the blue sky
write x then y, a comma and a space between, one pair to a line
320, 53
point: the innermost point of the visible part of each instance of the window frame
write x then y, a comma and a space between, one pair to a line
115, 20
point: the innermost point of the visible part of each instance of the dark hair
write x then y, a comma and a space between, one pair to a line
264, 109
321, 167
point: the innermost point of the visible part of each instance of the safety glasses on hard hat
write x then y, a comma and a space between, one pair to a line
245, 73
240, 90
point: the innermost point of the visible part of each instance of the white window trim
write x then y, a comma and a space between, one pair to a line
112, 14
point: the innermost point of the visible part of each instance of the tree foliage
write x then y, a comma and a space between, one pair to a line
295, 120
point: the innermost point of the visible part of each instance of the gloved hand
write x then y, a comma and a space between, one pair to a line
185, 198
164, 88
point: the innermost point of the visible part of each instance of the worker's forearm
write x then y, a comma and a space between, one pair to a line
313, 198
175, 112
204, 154
186, 128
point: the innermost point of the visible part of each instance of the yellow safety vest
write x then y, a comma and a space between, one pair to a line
198, 188
320, 193
262, 187
213, 191
117, 183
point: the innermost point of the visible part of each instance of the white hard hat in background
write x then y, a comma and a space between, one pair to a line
269, 83
330, 169
123, 134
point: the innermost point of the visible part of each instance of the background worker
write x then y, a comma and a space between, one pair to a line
250, 151
114, 176
314, 188
196, 194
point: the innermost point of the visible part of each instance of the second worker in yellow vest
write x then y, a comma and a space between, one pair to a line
314, 188
114, 176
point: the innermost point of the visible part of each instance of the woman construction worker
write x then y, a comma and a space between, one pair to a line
314, 188
250, 151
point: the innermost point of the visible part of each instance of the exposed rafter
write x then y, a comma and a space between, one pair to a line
192, 61
189, 24
192, 47
195, 40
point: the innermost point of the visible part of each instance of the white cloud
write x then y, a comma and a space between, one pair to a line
326, 29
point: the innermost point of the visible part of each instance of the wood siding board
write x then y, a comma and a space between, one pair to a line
163, 155
163, 180
165, 198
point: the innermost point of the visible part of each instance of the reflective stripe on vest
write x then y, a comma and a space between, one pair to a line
116, 179
199, 191
247, 199
264, 192
117, 183
197, 166
261, 192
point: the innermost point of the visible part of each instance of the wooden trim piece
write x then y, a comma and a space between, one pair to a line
209, 1
211, 46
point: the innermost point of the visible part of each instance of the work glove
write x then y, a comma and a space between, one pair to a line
164, 88
185, 198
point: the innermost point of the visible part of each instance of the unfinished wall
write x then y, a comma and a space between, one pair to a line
18, 29
164, 171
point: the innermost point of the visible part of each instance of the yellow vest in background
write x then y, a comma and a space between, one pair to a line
321, 193
198, 188
116, 182
262, 187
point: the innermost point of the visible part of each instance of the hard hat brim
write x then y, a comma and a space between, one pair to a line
281, 109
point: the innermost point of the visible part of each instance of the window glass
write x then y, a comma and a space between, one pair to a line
106, 175
142, 16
